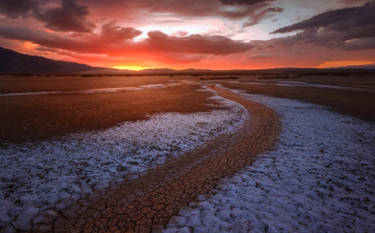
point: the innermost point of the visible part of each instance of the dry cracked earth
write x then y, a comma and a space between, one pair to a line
146, 204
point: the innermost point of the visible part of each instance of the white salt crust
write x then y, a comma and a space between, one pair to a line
39, 176
319, 178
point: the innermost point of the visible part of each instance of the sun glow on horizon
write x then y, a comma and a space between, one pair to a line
332, 64
212, 34
130, 67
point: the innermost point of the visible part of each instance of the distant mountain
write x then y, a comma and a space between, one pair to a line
172, 71
368, 66
12, 62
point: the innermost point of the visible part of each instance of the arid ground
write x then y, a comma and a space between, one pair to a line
217, 153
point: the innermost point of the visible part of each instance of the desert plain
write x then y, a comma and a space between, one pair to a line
262, 152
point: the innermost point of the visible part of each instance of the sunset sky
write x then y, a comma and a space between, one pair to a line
180, 34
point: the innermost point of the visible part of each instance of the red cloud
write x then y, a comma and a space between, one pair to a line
112, 33
117, 41
198, 44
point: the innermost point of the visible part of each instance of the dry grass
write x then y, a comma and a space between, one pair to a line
30, 118
357, 80
57, 83
363, 81
356, 103
38, 117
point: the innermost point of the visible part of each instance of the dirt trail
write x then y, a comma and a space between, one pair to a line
147, 203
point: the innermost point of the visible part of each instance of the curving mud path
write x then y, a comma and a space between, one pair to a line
146, 204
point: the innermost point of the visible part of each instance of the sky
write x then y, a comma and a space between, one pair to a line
183, 34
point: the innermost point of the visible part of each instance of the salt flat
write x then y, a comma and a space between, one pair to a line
319, 178
37, 176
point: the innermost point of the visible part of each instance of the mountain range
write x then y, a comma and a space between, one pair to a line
12, 62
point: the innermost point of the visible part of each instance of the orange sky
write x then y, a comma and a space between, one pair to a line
213, 34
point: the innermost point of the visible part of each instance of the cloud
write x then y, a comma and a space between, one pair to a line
362, 43
256, 17
36, 36
352, 2
251, 11
178, 58
112, 33
181, 33
114, 40
244, 2
17, 8
91, 43
68, 17
338, 19
347, 28
198, 44
73, 15
261, 56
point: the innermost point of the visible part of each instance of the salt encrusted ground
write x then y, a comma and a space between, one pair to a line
320, 178
52, 174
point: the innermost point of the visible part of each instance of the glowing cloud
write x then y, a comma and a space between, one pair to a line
214, 34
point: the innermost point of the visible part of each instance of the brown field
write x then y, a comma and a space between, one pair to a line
38, 117
357, 103
357, 81
9, 84
366, 81
151, 199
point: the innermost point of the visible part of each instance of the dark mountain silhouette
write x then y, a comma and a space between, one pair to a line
12, 62
369, 66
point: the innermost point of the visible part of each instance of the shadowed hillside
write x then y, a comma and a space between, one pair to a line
12, 62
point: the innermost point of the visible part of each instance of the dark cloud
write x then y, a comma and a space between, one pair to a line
352, 2
68, 17
71, 15
335, 18
198, 44
261, 56
250, 10
348, 28
36, 36
244, 2
17, 8
117, 41
112, 33
180, 58
90, 43
362, 43
256, 17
